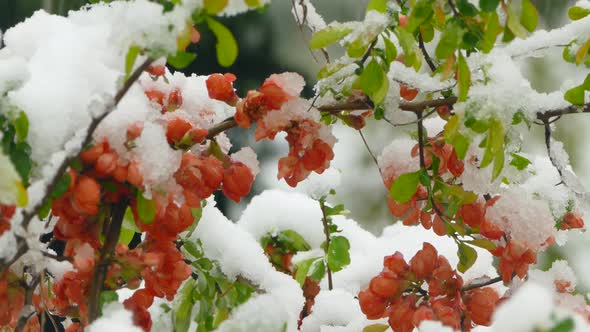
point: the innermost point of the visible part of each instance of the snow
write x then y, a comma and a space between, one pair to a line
305, 13
114, 318
332, 308
396, 159
526, 220
559, 271
317, 186
247, 156
243, 256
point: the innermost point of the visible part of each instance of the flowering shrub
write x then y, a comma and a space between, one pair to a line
110, 158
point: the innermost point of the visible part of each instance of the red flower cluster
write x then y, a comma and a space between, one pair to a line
6, 213
12, 299
397, 293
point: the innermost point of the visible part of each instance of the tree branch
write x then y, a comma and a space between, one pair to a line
425, 53
483, 284
111, 238
29, 214
28, 310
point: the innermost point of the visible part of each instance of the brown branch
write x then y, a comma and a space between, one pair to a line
29, 214
28, 310
111, 238
545, 116
483, 284
453, 8
421, 140
327, 234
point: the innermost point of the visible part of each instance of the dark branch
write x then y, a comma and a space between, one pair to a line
425, 53
28, 310
100, 271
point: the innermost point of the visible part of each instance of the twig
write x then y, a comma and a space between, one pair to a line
453, 8
111, 238
58, 258
28, 309
327, 234
425, 53
421, 140
370, 152
483, 284
368, 52
29, 214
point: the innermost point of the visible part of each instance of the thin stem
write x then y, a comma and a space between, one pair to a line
453, 8
483, 284
425, 53
327, 234
421, 139
28, 309
111, 238
370, 152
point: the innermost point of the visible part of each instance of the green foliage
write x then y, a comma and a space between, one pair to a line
14, 127
467, 256
404, 187
182, 59
227, 46
146, 208
374, 82
328, 36
577, 13
214, 293
338, 253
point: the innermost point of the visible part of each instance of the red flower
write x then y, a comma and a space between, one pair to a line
237, 181
220, 88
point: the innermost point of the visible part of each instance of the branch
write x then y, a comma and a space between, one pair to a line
28, 310
29, 214
111, 238
327, 234
453, 8
370, 152
483, 284
425, 53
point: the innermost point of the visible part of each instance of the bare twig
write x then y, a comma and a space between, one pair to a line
483, 284
111, 238
28, 310
421, 140
370, 152
425, 53
453, 8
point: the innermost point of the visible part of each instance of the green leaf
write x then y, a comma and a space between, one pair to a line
227, 46
513, 22
582, 52
410, 47
130, 60
317, 270
329, 70
529, 17
107, 297
498, 164
464, 78
565, 325
466, 8
338, 254
421, 12
61, 186
378, 5
488, 5
328, 36
483, 243
575, 95
376, 328
461, 144
493, 29
519, 162
467, 256
476, 125
146, 209
44, 211
20, 156
181, 59
292, 240
404, 187
182, 314
390, 50
374, 83
449, 41
214, 6
576, 13
21, 126
128, 228
303, 268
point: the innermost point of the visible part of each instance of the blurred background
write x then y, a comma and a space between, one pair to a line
271, 42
